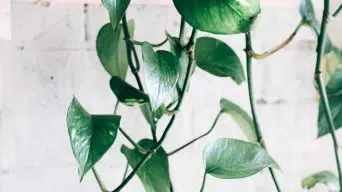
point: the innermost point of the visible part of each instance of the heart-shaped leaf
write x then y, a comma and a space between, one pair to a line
217, 58
154, 174
219, 16
241, 118
161, 74
334, 92
126, 93
90, 135
326, 177
111, 49
232, 159
116, 10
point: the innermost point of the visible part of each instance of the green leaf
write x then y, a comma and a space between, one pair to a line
183, 60
219, 16
154, 174
217, 58
161, 74
233, 159
126, 93
334, 92
116, 10
308, 15
90, 135
325, 177
111, 49
241, 118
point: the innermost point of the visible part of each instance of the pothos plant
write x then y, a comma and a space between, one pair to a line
167, 76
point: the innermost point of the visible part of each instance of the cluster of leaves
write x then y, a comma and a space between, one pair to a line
167, 74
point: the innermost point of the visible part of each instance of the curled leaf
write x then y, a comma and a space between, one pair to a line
161, 74
241, 118
111, 49
325, 177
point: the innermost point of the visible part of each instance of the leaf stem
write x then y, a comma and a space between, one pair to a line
98, 179
321, 87
197, 138
116, 107
181, 30
137, 146
260, 56
189, 48
203, 182
338, 10
129, 49
147, 156
140, 43
141, 149
126, 171
158, 144
252, 102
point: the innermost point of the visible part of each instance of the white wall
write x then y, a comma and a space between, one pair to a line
51, 57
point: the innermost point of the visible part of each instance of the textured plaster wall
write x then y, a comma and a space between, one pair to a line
51, 57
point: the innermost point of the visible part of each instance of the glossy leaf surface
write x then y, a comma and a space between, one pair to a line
334, 92
154, 174
217, 58
116, 10
232, 159
111, 49
126, 93
90, 135
161, 74
325, 177
241, 118
219, 16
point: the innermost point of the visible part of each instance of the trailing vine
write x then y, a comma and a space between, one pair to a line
167, 76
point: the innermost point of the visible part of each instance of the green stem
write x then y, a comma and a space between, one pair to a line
189, 48
147, 156
252, 102
203, 182
137, 146
135, 42
338, 10
126, 171
181, 30
197, 138
116, 107
129, 53
99, 181
158, 144
321, 87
